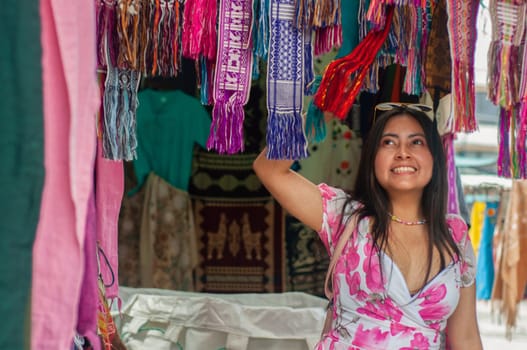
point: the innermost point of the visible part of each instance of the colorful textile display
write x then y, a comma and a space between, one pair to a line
285, 84
239, 227
462, 31
141, 35
22, 173
232, 76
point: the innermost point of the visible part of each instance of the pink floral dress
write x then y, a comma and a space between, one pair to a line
374, 314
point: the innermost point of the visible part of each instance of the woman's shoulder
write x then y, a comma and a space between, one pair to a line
336, 198
457, 225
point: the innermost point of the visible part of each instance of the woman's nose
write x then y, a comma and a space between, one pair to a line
402, 153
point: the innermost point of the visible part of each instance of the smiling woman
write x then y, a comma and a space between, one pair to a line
407, 265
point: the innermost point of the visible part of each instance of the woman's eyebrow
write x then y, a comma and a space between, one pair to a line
417, 134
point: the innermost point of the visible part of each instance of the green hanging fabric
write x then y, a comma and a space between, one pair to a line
22, 170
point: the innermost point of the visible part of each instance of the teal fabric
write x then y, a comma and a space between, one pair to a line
22, 170
169, 123
350, 27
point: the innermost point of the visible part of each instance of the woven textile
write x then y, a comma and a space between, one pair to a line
462, 17
307, 258
239, 227
438, 64
285, 84
232, 75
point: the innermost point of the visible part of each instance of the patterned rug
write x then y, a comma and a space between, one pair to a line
307, 259
239, 227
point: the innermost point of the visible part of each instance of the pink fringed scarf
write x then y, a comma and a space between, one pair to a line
232, 76
462, 16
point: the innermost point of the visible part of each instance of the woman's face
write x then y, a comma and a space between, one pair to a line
403, 163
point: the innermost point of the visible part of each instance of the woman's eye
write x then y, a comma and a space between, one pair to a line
388, 142
418, 142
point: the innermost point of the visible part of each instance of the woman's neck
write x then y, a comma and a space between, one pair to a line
407, 207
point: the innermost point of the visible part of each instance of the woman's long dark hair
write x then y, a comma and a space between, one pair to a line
375, 201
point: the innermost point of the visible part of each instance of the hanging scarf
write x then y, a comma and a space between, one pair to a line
462, 16
343, 77
199, 29
522, 120
120, 105
453, 199
107, 41
232, 76
438, 64
285, 84
506, 87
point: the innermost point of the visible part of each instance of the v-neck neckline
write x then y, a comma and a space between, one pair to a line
403, 280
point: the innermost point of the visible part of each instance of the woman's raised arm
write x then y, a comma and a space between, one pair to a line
299, 196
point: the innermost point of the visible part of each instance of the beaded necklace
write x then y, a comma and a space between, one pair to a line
409, 223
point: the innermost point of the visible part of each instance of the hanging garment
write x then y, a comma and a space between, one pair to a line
71, 102
476, 223
109, 188
22, 170
168, 125
129, 229
87, 321
167, 244
485, 264
511, 274
334, 160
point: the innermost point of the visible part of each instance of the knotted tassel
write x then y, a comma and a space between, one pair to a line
107, 40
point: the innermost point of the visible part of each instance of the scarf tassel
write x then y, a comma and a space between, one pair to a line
504, 74
226, 131
327, 38
120, 105
107, 41
520, 141
463, 85
504, 169
285, 136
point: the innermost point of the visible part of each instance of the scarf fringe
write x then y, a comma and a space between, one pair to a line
327, 38
504, 169
119, 129
226, 131
315, 127
285, 136
464, 99
107, 41
521, 141
503, 74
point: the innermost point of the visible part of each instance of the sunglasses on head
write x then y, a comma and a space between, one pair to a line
400, 106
